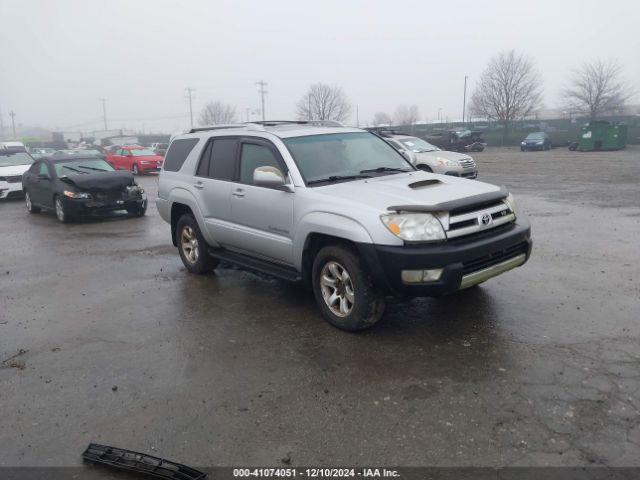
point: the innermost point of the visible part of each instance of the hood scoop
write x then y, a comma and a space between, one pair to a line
424, 183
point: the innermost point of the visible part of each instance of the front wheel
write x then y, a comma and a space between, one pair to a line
135, 169
61, 212
138, 211
31, 208
344, 290
192, 246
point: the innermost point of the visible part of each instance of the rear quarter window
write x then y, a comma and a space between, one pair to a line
178, 152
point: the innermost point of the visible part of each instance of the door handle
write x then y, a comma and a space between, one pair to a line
199, 185
238, 193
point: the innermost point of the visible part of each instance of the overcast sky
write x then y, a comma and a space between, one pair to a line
58, 57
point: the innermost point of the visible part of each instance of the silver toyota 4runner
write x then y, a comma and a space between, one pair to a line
337, 208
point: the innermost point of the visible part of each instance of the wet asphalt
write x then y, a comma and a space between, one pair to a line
120, 345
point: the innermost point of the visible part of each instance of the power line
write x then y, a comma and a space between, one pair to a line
104, 111
190, 91
263, 92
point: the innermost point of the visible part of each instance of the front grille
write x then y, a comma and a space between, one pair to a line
494, 258
467, 163
14, 179
469, 220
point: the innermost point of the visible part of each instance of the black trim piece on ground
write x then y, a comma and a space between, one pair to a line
140, 462
453, 204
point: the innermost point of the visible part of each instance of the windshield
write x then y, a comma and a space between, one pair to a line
18, 158
81, 166
535, 136
320, 157
417, 145
142, 152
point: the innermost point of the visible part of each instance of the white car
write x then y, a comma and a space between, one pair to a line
430, 158
12, 165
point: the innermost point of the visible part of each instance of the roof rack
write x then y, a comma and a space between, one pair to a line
221, 126
314, 123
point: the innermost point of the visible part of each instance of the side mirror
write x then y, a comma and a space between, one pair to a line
43, 176
270, 177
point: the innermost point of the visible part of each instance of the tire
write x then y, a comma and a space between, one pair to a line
522, 149
424, 168
31, 208
367, 306
196, 259
135, 169
138, 211
61, 213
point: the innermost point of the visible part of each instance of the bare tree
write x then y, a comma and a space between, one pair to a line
596, 88
217, 112
324, 102
406, 115
509, 88
381, 118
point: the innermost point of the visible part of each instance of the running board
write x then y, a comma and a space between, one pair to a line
263, 266
140, 462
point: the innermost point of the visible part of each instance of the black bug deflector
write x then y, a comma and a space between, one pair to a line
140, 462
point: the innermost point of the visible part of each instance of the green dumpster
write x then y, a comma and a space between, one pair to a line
602, 135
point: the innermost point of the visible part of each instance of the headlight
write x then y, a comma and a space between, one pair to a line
414, 227
523, 143
70, 194
511, 203
449, 163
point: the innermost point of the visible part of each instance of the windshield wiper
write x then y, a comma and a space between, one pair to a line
93, 168
74, 169
384, 169
336, 178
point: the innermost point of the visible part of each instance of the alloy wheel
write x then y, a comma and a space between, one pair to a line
189, 244
59, 210
27, 200
337, 289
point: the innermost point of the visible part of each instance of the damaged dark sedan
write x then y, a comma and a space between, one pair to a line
74, 186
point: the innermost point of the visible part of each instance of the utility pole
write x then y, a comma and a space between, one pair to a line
439, 117
309, 99
1, 124
190, 91
262, 91
464, 99
12, 114
357, 117
104, 111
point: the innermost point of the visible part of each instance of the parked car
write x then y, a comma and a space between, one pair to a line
536, 141
13, 163
160, 148
458, 140
76, 185
430, 158
136, 159
337, 208
39, 152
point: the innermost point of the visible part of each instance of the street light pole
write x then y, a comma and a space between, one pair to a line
464, 99
262, 91
189, 96
12, 114
104, 111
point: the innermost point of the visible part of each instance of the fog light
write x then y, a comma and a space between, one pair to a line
421, 276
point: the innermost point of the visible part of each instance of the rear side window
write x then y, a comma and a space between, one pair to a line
222, 164
178, 153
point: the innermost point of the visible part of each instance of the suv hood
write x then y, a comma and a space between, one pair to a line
101, 181
12, 170
383, 192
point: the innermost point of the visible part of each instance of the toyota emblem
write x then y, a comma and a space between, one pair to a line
486, 219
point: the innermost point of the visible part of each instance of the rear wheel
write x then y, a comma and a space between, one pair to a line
31, 208
61, 212
344, 290
135, 169
192, 246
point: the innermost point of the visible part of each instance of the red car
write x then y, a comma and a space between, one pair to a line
136, 159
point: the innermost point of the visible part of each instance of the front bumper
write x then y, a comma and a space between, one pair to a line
86, 207
149, 168
10, 189
470, 173
464, 262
